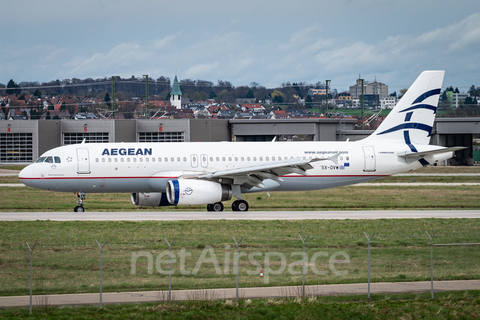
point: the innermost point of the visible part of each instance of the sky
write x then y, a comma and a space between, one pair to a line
262, 41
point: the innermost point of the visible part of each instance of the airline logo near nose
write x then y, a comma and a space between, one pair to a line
127, 152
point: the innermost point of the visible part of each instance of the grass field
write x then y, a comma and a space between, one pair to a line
346, 198
66, 259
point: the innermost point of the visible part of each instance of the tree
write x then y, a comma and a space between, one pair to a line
224, 95
212, 95
37, 93
277, 96
197, 96
470, 100
308, 101
393, 94
12, 87
473, 91
250, 93
107, 100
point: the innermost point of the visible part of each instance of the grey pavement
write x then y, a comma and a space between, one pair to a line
231, 215
244, 293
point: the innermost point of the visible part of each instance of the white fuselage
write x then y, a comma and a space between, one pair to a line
146, 167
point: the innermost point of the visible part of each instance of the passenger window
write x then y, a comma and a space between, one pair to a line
57, 159
236, 158
178, 159
218, 159
140, 159
211, 159
242, 158
248, 158
121, 159
134, 159
96, 159
266, 158
172, 159
229, 158
348, 158
273, 158
146, 160
184, 159
116, 160
261, 159
254, 158
223, 158
128, 159
109, 159
153, 159
103, 159
166, 159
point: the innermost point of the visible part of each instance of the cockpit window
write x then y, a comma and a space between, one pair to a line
49, 159
57, 159
40, 160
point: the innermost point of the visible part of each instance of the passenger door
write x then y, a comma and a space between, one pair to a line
83, 161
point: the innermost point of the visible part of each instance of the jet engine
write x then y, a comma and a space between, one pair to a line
150, 199
196, 192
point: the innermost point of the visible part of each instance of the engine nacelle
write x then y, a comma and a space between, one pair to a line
150, 199
195, 192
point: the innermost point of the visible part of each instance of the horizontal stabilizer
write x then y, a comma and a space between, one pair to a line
411, 154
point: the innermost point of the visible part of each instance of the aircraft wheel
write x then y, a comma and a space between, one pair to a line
218, 206
240, 205
79, 209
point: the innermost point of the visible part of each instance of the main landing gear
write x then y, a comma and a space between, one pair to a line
238, 205
81, 197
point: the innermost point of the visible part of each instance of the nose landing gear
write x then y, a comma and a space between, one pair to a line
81, 197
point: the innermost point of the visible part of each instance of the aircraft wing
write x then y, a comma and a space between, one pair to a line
253, 176
411, 154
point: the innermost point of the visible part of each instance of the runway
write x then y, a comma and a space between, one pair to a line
230, 215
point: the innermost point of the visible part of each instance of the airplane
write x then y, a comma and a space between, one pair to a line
208, 173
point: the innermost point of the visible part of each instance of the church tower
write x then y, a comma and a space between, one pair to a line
176, 94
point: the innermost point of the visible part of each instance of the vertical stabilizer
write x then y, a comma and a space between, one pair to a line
411, 120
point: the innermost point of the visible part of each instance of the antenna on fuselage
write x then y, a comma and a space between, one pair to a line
83, 141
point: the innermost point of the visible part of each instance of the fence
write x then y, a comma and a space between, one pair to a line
128, 259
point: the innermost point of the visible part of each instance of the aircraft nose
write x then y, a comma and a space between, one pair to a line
26, 174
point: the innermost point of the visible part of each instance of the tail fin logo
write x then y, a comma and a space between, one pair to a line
417, 104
